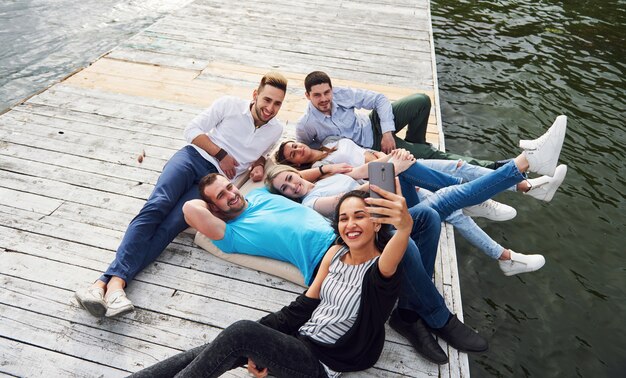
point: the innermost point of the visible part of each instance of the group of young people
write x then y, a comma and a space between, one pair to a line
359, 266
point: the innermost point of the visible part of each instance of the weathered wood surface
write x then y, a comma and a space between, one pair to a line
70, 181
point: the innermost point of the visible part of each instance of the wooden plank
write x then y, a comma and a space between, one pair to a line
114, 125
110, 349
97, 259
77, 178
24, 360
177, 333
115, 105
22, 121
113, 170
28, 201
199, 307
171, 39
68, 192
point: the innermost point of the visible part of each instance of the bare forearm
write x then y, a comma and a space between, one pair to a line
204, 142
360, 172
394, 252
198, 216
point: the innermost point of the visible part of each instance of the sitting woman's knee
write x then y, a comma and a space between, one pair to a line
243, 328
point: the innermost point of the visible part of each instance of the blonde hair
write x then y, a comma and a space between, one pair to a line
275, 171
275, 79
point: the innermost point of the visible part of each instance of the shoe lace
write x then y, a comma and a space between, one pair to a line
490, 205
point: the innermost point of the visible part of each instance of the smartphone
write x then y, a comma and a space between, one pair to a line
382, 175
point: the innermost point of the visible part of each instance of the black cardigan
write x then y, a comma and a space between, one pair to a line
361, 346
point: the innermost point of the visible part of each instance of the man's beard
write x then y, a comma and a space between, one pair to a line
232, 210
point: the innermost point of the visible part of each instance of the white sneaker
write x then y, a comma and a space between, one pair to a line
520, 263
543, 152
118, 304
544, 187
491, 209
92, 300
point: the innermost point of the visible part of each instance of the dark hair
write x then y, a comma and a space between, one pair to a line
280, 154
280, 157
315, 78
206, 181
382, 236
273, 79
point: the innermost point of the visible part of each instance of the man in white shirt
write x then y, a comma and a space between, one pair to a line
331, 112
231, 137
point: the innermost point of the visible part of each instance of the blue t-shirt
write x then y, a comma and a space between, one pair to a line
276, 227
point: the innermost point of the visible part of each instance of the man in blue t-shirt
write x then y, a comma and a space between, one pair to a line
273, 226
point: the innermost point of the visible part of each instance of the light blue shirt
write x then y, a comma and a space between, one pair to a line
276, 227
315, 126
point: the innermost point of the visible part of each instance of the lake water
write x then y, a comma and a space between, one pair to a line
42, 41
506, 70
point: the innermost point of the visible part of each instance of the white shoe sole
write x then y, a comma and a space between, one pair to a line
110, 313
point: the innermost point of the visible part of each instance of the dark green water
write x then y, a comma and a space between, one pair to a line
506, 70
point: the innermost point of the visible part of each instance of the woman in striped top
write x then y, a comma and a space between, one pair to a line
338, 324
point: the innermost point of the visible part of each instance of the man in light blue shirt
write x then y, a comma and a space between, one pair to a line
332, 112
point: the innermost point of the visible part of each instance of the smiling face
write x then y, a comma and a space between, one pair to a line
266, 104
354, 224
321, 97
224, 196
297, 153
291, 185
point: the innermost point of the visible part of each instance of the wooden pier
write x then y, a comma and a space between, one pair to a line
70, 180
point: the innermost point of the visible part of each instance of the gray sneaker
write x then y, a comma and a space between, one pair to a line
118, 304
92, 300
521, 263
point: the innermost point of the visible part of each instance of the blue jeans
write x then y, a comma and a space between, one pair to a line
418, 292
418, 174
468, 229
161, 218
466, 172
283, 355
446, 200
449, 200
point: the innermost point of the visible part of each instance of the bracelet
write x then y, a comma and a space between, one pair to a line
221, 154
320, 168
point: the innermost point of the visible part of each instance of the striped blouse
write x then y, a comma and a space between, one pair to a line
340, 296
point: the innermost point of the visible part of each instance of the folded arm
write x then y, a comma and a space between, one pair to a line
198, 216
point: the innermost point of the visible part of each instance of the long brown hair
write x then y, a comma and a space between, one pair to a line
282, 159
